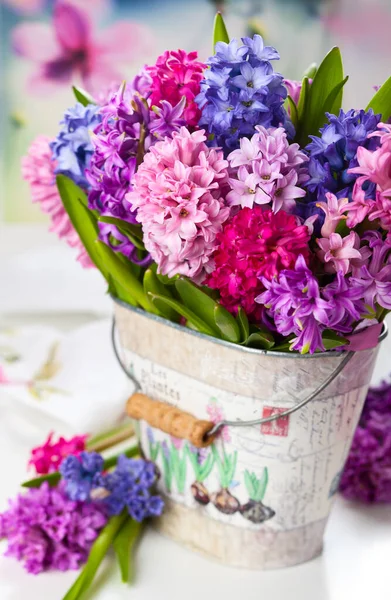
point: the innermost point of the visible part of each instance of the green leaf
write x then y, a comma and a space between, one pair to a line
160, 302
310, 71
220, 33
243, 324
198, 302
381, 101
82, 96
97, 553
227, 324
294, 115
303, 99
260, 339
333, 101
154, 286
123, 544
54, 478
320, 100
332, 340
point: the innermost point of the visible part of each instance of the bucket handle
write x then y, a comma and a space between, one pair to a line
183, 425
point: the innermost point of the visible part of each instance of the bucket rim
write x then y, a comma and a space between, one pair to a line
245, 349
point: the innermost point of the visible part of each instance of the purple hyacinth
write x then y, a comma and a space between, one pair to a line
81, 474
72, 149
129, 488
241, 90
367, 473
374, 280
300, 307
45, 529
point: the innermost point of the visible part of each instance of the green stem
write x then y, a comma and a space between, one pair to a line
97, 553
123, 545
110, 438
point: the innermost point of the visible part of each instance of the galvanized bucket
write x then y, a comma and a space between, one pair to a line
260, 495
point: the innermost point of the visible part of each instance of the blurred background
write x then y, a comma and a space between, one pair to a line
134, 32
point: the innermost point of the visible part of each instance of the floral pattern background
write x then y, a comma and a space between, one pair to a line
101, 42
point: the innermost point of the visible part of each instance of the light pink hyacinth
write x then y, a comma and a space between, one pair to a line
333, 210
266, 170
38, 170
373, 166
70, 49
179, 193
340, 254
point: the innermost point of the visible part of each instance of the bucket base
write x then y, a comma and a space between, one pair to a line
260, 549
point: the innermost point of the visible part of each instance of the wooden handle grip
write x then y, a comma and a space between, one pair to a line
170, 419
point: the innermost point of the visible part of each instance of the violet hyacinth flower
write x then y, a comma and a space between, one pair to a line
45, 529
72, 149
298, 306
367, 473
374, 279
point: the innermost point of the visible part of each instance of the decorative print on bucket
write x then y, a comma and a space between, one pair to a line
259, 496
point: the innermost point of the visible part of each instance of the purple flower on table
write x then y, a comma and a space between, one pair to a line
81, 474
45, 529
367, 473
72, 149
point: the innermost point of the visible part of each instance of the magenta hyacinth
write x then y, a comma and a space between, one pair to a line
179, 195
177, 75
45, 529
266, 169
48, 457
255, 243
38, 169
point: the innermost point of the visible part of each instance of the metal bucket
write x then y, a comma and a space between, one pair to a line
259, 497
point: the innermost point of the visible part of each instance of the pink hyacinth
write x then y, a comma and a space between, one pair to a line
341, 254
255, 243
174, 76
179, 192
48, 457
375, 167
38, 170
266, 170
333, 210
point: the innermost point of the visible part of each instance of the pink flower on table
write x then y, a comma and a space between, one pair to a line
38, 170
70, 48
177, 75
179, 193
340, 254
48, 457
333, 210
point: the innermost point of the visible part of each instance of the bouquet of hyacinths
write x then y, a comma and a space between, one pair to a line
223, 197
79, 506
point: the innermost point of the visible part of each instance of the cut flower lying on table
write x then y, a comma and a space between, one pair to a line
207, 195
